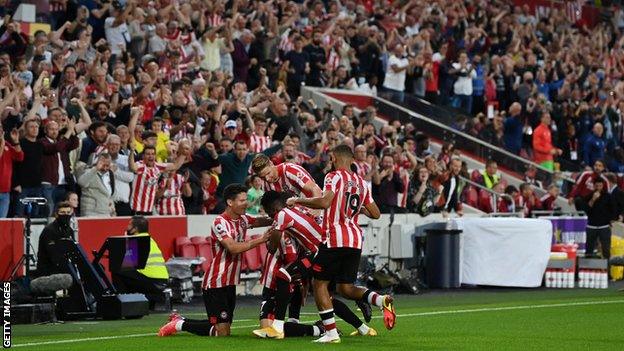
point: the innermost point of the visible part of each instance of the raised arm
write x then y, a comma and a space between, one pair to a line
235, 248
319, 203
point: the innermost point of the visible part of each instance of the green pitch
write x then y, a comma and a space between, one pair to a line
543, 319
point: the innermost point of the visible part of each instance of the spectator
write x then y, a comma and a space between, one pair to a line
297, 63
28, 174
594, 147
57, 177
98, 187
387, 184
549, 200
600, 213
94, 142
10, 152
241, 56
543, 149
617, 195
465, 73
513, 129
489, 176
396, 72
123, 177
530, 177
171, 187
422, 197
527, 200
585, 184
254, 194
452, 187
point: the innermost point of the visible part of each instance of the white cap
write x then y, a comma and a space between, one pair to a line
230, 124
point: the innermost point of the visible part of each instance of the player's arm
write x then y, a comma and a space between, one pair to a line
235, 247
274, 240
312, 188
371, 211
261, 222
320, 202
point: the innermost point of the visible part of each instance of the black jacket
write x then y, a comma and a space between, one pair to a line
602, 212
50, 234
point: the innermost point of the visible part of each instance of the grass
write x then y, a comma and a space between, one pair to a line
492, 319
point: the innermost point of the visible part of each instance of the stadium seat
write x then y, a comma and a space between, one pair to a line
472, 197
197, 240
263, 253
475, 176
184, 247
205, 251
252, 260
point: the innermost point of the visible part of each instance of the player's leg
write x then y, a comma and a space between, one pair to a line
326, 264
267, 308
346, 278
204, 327
343, 311
294, 308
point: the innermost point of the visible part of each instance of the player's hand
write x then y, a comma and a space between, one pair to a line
291, 202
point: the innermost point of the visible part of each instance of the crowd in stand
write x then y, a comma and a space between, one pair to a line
153, 107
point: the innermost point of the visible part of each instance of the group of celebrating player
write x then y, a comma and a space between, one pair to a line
313, 234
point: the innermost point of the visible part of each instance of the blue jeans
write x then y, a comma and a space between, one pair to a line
5, 200
37, 210
463, 102
397, 93
54, 194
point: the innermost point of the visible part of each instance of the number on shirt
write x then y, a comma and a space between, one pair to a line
352, 202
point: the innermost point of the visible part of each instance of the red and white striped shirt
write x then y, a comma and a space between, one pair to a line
285, 254
340, 223
290, 177
301, 226
144, 186
214, 20
405, 178
363, 168
171, 203
259, 143
225, 267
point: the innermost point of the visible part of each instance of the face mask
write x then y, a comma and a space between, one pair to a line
63, 220
129, 232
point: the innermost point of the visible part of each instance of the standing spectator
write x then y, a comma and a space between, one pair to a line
387, 185
98, 187
123, 177
241, 56
585, 184
116, 28
254, 194
396, 71
617, 195
600, 213
297, 63
465, 73
513, 127
452, 187
28, 174
10, 152
57, 177
317, 60
422, 196
543, 149
478, 86
258, 140
595, 146
171, 187
95, 141
146, 183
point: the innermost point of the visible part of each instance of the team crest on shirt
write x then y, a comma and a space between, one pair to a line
220, 228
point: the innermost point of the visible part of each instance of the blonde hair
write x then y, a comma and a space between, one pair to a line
260, 162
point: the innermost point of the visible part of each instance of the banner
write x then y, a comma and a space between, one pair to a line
569, 230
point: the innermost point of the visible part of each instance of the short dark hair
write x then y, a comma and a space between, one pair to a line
95, 125
271, 199
489, 162
343, 150
149, 147
140, 223
231, 191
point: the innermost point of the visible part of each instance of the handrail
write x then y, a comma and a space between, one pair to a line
465, 135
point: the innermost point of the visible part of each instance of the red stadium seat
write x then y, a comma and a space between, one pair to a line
472, 197
197, 240
205, 251
184, 247
252, 260
263, 253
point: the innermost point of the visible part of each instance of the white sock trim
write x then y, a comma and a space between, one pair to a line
363, 329
178, 325
278, 325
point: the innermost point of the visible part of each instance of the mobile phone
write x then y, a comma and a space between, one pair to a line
46, 82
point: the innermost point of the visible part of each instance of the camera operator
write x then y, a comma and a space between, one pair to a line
152, 279
462, 88
60, 228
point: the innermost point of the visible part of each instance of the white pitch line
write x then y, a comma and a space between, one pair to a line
431, 313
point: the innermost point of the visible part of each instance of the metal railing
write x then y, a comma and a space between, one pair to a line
437, 122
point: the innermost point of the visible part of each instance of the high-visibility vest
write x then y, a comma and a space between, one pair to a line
155, 267
489, 181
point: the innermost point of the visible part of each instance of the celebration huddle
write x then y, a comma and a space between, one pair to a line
313, 238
